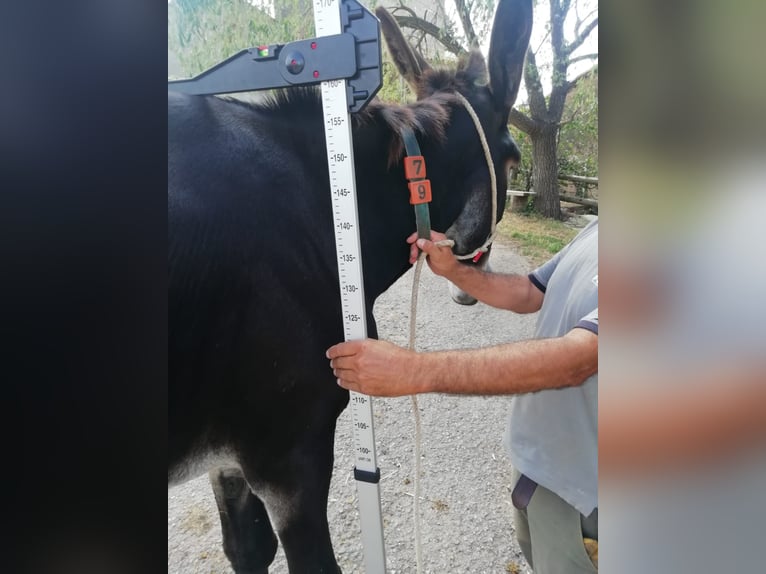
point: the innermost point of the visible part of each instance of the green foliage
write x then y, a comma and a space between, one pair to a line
578, 137
395, 88
529, 207
202, 33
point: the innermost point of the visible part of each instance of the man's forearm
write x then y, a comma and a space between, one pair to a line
522, 367
504, 291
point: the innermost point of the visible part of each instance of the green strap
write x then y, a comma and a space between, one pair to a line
422, 214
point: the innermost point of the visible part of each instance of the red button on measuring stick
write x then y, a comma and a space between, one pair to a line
420, 191
414, 167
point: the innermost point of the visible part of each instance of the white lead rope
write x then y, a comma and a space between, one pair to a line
492, 180
413, 317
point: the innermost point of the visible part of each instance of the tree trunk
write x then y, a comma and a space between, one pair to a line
545, 173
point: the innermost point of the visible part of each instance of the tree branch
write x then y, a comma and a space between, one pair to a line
547, 33
537, 107
577, 42
522, 122
464, 13
583, 57
415, 22
581, 21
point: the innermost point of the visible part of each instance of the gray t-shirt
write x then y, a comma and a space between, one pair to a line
553, 434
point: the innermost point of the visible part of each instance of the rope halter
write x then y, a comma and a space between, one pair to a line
492, 179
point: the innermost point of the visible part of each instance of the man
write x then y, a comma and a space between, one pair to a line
552, 435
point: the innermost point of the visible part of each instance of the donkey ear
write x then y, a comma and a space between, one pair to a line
410, 64
508, 46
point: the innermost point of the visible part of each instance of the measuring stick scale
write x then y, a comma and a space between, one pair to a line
348, 250
340, 161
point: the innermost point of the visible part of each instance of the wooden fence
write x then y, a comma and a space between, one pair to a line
518, 198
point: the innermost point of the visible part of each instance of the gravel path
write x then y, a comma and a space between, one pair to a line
466, 506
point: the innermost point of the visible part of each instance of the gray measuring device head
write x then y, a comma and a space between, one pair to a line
352, 55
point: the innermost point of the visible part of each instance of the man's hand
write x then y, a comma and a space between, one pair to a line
441, 260
374, 367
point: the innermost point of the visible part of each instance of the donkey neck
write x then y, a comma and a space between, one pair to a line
386, 216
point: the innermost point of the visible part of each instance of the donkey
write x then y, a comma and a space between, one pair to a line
253, 288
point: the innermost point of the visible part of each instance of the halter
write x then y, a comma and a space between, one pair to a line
420, 187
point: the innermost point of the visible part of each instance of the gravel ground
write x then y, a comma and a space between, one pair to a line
466, 484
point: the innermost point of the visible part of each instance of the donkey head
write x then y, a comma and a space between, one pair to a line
457, 164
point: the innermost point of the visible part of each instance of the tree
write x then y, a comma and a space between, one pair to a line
543, 122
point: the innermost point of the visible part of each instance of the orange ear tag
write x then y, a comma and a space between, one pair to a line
414, 167
420, 191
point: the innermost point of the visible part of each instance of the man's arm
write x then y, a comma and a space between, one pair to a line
380, 368
504, 291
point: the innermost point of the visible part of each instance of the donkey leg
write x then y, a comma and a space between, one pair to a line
248, 539
297, 504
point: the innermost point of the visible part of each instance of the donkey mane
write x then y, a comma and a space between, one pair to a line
428, 117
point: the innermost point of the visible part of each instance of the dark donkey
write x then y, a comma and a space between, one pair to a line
253, 298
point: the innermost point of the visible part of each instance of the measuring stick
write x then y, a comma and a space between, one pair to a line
340, 160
